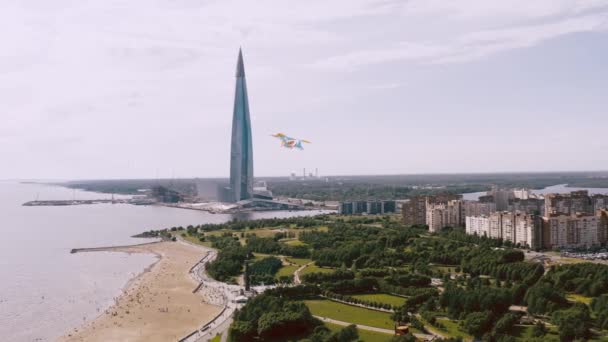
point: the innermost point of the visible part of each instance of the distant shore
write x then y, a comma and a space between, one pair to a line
157, 305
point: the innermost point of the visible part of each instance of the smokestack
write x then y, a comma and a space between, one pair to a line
304, 173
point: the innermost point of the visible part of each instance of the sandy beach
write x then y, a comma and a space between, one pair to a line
157, 305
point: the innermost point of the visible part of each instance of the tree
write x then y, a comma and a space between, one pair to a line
404, 338
478, 323
573, 323
544, 298
505, 323
539, 330
347, 334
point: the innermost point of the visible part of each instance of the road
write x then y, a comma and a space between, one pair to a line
549, 258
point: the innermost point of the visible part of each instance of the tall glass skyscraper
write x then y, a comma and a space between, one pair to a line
241, 152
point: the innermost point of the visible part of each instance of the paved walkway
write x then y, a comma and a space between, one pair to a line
218, 293
356, 304
368, 328
215, 292
359, 326
296, 274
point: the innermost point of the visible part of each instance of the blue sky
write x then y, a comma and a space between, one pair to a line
140, 88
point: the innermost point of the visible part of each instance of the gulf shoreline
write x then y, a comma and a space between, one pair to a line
158, 304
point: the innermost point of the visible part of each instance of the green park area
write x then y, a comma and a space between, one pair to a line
299, 261
452, 329
349, 313
381, 298
294, 242
286, 271
316, 269
448, 282
574, 297
526, 333
364, 335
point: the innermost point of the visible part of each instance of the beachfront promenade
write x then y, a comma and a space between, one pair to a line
216, 293
213, 292
178, 260
179, 281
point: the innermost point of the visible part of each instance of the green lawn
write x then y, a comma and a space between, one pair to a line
260, 256
348, 313
195, 240
286, 271
364, 335
295, 243
314, 268
578, 298
453, 329
524, 333
381, 298
217, 338
299, 261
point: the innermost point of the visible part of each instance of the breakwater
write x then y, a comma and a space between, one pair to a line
110, 248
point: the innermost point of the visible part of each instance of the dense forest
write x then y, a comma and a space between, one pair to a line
337, 188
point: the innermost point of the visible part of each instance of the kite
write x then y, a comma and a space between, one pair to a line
290, 143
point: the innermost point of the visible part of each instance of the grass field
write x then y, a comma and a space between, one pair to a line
286, 271
578, 298
195, 240
364, 335
524, 333
259, 256
299, 261
295, 243
315, 268
348, 313
381, 298
453, 330
266, 233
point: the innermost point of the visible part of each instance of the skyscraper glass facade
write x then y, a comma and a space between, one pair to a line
241, 151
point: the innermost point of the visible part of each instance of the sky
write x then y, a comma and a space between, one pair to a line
94, 89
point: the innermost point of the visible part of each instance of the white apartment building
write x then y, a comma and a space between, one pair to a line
522, 193
439, 215
474, 208
477, 225
507, 225
580, 230
501, 197
519, 228
528, 231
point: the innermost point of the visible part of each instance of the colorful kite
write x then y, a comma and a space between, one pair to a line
290, 143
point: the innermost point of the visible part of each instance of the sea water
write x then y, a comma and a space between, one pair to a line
44, 290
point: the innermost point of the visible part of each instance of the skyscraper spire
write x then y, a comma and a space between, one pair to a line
240, 67
241, 152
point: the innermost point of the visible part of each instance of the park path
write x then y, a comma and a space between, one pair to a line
424, 337
356, 304
296, 274
359, 326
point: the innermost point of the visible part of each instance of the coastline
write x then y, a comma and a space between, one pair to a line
158, 304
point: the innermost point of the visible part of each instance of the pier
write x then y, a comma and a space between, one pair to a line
134, 201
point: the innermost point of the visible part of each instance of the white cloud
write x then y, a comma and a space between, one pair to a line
160, 71
514, 10
469, 46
